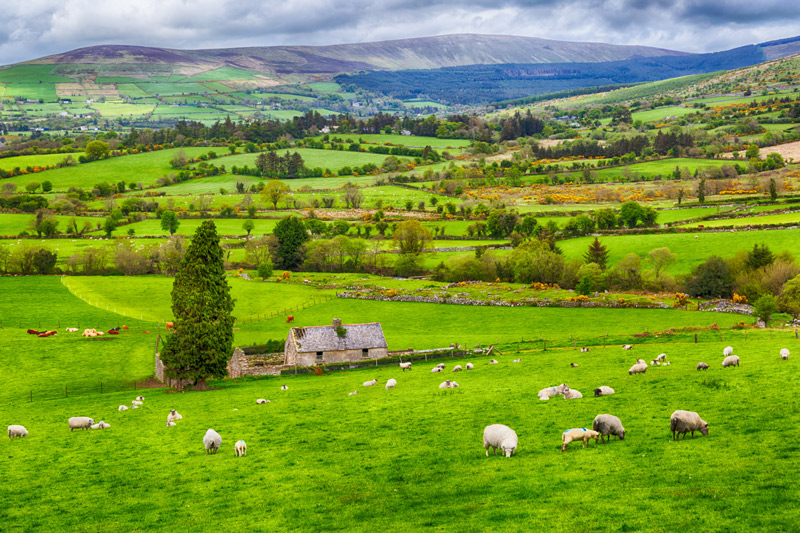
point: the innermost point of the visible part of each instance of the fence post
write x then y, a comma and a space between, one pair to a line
66, 392
545, 346
695, 338
31, 395
795, 333
101, 387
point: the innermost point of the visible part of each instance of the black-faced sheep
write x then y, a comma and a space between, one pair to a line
370, 383
457, 368
468, 366
173, 416
683, 422
608, 425
499, 437
603, 391
405, 366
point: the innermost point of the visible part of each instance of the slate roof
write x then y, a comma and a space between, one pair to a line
325, 339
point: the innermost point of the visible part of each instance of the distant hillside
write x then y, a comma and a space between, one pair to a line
421, 53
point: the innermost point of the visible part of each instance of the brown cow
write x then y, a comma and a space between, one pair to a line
289, 319
169, 325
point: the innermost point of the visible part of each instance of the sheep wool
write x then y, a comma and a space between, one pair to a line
638, 368
122, 408
607, 425
80, 422
727, 351
405, 366
370, 383
240, 448
285, 387
731, 360
170, 424
17, 431
261, 401
702, 366
391, 384
546, 394
457, 368
500, 437
436, 369
581, 434
101, 425
683, 422
468, 366
603, 391
785, 354
212, 441
493, 362
572, 394
173, 416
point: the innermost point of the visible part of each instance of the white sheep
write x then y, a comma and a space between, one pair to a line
122, 408
727, 351
101, 425
627, 347
666, 363
785, 354
640, 361
493, 362
285, 387
546, 394
170, 424
638, 368
261, 401
731, 360
17, 431
212, 441
140, 398
240, 448
572, 394
457, 368
454, 384
574, 365
661, 357
80, 422
447, 384
136, 403
352, 393
603, 391
517, 361
390, 384
582, 434
468, 366
608, 425
174, 415
655, 363
436, 369
500, 437
441, 365
405, 366
370, 383
682, 422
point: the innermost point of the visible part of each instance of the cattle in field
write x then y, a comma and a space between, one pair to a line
289, 319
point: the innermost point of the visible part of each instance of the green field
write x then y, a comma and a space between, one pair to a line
660, 113
312, 158
118, 109
39, 160
784, 218
663, 167
403, 140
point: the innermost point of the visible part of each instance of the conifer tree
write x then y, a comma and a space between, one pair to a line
597, 253
200, 345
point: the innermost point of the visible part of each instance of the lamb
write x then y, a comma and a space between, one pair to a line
608, 425
370, 383
447, 384
493, 362
122, 408
261, 401
240, 448
583, 350
785, 354
682, 422
101, 425
212, 441
578, 434
454, 384
654, 363
638, 368
546, 394
469, 366
136, 403
574, 365
457, 368
667, 363
170, 423
17, 431
174, 415
627, 347
498, 436
731, 360
405, 366
80, 422
391, 384
436, 369
572, 394
140, 398
517, 361
661, 357
727, 351
285, 387
603, 391
702, 366
352, 393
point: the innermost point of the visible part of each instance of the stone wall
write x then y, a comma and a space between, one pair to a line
726, 306
337, 356
266, 364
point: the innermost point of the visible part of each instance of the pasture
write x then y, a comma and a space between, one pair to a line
411, 457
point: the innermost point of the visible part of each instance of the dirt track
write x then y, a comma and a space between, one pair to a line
788, 151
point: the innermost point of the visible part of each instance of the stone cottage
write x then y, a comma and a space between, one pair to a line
336, 343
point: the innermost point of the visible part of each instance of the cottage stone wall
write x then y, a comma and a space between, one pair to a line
241, 364
337, 356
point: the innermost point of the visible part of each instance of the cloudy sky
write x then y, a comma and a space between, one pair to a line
34, 28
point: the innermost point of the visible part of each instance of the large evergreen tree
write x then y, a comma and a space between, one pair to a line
200, 345
597, 253
291, 234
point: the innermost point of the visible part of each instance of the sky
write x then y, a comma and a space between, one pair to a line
35, 28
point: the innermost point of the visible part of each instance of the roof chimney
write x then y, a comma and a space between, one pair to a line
337, 323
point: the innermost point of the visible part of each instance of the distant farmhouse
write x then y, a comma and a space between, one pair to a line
336, 343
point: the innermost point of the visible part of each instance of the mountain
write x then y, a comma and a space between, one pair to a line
421, 53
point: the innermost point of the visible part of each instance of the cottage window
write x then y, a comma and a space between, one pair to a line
365, 352
319, 356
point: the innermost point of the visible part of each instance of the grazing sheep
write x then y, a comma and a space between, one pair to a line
682, 422
603, 391
240, 448
517, 361
546, 394
370, 383
627, 347
608, 425
352, 393
447, 384
457, 368
500, 437
140, 398
441, 365
136, 402
572, 394
731, 360
583, 434
655, 363
640, 361
573, 365
17, 431
170, 423
583, 350
493, 362
261, 401
638, 368
702, 366
122, 408
212, 441
285, 387
436, 369
667, 363
785, 354
391, 384
80, 422
727, 351
405, 366
468, 366
174, 415
661, 357
101, 425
